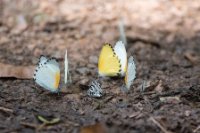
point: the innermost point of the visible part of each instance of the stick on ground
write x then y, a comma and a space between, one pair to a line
159, 125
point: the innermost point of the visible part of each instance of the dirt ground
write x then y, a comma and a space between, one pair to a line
163, 37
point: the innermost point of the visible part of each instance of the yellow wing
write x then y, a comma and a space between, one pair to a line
109, 64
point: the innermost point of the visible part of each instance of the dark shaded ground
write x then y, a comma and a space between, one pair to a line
168, 61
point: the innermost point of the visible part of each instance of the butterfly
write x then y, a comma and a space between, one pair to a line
47, 74
95, 90
112, 61
130, 73
67, 78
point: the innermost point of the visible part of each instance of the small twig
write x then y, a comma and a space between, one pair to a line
196, 129
143, 88
149, 93
70, 123
159, 125
168, 93
41, 127
6, 110
29, 125
133, 115
191, 58
148, 103
108, 99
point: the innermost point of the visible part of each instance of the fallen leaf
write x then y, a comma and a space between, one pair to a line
48, 122
187, 113
159, 88
20, 72
96, 128
170, 99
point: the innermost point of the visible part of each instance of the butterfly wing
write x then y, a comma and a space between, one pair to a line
42, 60
108, 64
66, 67
130, 73
47, 75
120, 51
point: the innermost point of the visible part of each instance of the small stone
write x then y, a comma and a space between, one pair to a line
93, 59
83, 70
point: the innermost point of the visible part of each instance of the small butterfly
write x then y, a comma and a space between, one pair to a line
130, 73
47, 74
67, 78
95, 90
112, 62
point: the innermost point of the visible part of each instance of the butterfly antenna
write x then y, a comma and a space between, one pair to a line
122, 32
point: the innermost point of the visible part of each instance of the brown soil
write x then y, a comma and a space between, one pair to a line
163, 37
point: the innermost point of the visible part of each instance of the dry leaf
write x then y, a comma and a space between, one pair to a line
170, 99
20, 72
96, 128
159, 88
188, 113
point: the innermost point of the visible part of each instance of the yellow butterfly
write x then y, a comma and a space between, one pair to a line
109, 63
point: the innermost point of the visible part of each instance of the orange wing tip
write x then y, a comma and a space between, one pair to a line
57, 80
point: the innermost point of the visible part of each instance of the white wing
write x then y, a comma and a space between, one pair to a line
66, 68
120, 51
131, 72
42, 60
53, 65
47, 74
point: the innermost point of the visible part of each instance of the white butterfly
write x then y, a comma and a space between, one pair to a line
130, 73
47, 74
120, 51
95, 90
67, 74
